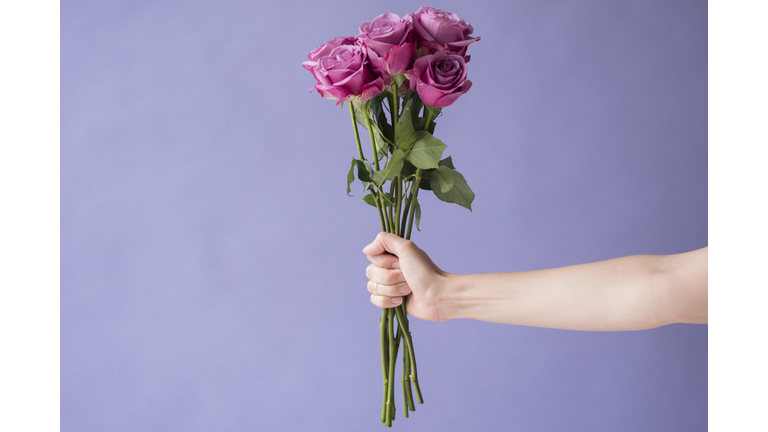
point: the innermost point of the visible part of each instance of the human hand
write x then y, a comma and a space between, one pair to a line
408, 271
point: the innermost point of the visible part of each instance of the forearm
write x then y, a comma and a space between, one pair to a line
629, 293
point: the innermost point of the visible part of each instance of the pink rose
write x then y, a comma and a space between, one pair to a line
325, 49
439, 30
389, 40
440, 78
345, 73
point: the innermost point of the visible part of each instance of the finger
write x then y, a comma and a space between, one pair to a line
384, 276
397, 290
384, 260
387, 242
386, 302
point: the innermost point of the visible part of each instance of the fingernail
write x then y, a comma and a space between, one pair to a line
401, 278
397, 300
404, 289
396, 265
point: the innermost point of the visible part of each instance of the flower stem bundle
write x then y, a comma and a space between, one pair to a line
397, 76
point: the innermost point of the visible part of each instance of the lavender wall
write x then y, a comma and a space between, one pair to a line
211, 273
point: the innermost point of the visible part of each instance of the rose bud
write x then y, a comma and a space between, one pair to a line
442, 31
440, 78
389, 40
346, 74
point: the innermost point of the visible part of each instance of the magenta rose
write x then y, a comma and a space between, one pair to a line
440, 78
439, 30
324, 50
345, 73
389, 40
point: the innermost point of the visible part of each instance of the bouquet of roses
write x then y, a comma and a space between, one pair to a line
418, 65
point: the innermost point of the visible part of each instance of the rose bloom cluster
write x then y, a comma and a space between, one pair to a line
425, 50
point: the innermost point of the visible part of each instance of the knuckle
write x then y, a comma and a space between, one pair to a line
392, 276
376, 300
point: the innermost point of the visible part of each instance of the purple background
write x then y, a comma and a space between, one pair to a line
211, 273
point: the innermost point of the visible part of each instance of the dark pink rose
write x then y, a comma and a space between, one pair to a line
441, 31
389, 40
440, 78
346, 74
324, 50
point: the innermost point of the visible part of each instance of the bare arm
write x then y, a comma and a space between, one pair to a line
630, 293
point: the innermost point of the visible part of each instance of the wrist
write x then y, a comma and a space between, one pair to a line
452, 301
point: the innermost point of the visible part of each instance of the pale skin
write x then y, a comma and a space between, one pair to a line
630, 293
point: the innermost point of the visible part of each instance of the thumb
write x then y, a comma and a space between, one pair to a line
386, 242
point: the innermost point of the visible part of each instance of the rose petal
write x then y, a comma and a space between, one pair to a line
429, 94
353, 82
399, 58
372, 89
339, 75
332, 92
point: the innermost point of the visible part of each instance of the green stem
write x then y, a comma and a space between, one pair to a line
409, 342
393, 194
376, 161
384, 405
384, 361
414, 196
408, 404
378, 207
370, 134
407, 360
391, 375
399, 201
406, 408
404, 381
430, 117
357, 134
381, 204
383, 332
360, 153
404, 222
395, 110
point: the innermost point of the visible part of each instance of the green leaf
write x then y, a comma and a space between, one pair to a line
375, 104
434, 110
381, 143
364, 170
361, 110
351, 176
408, 169
435, 113
416, 105
461, 194
392, 169
425, 177
368, 199
426, 151
417, 212
447, 162
405, 135
385, 127
442, 179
